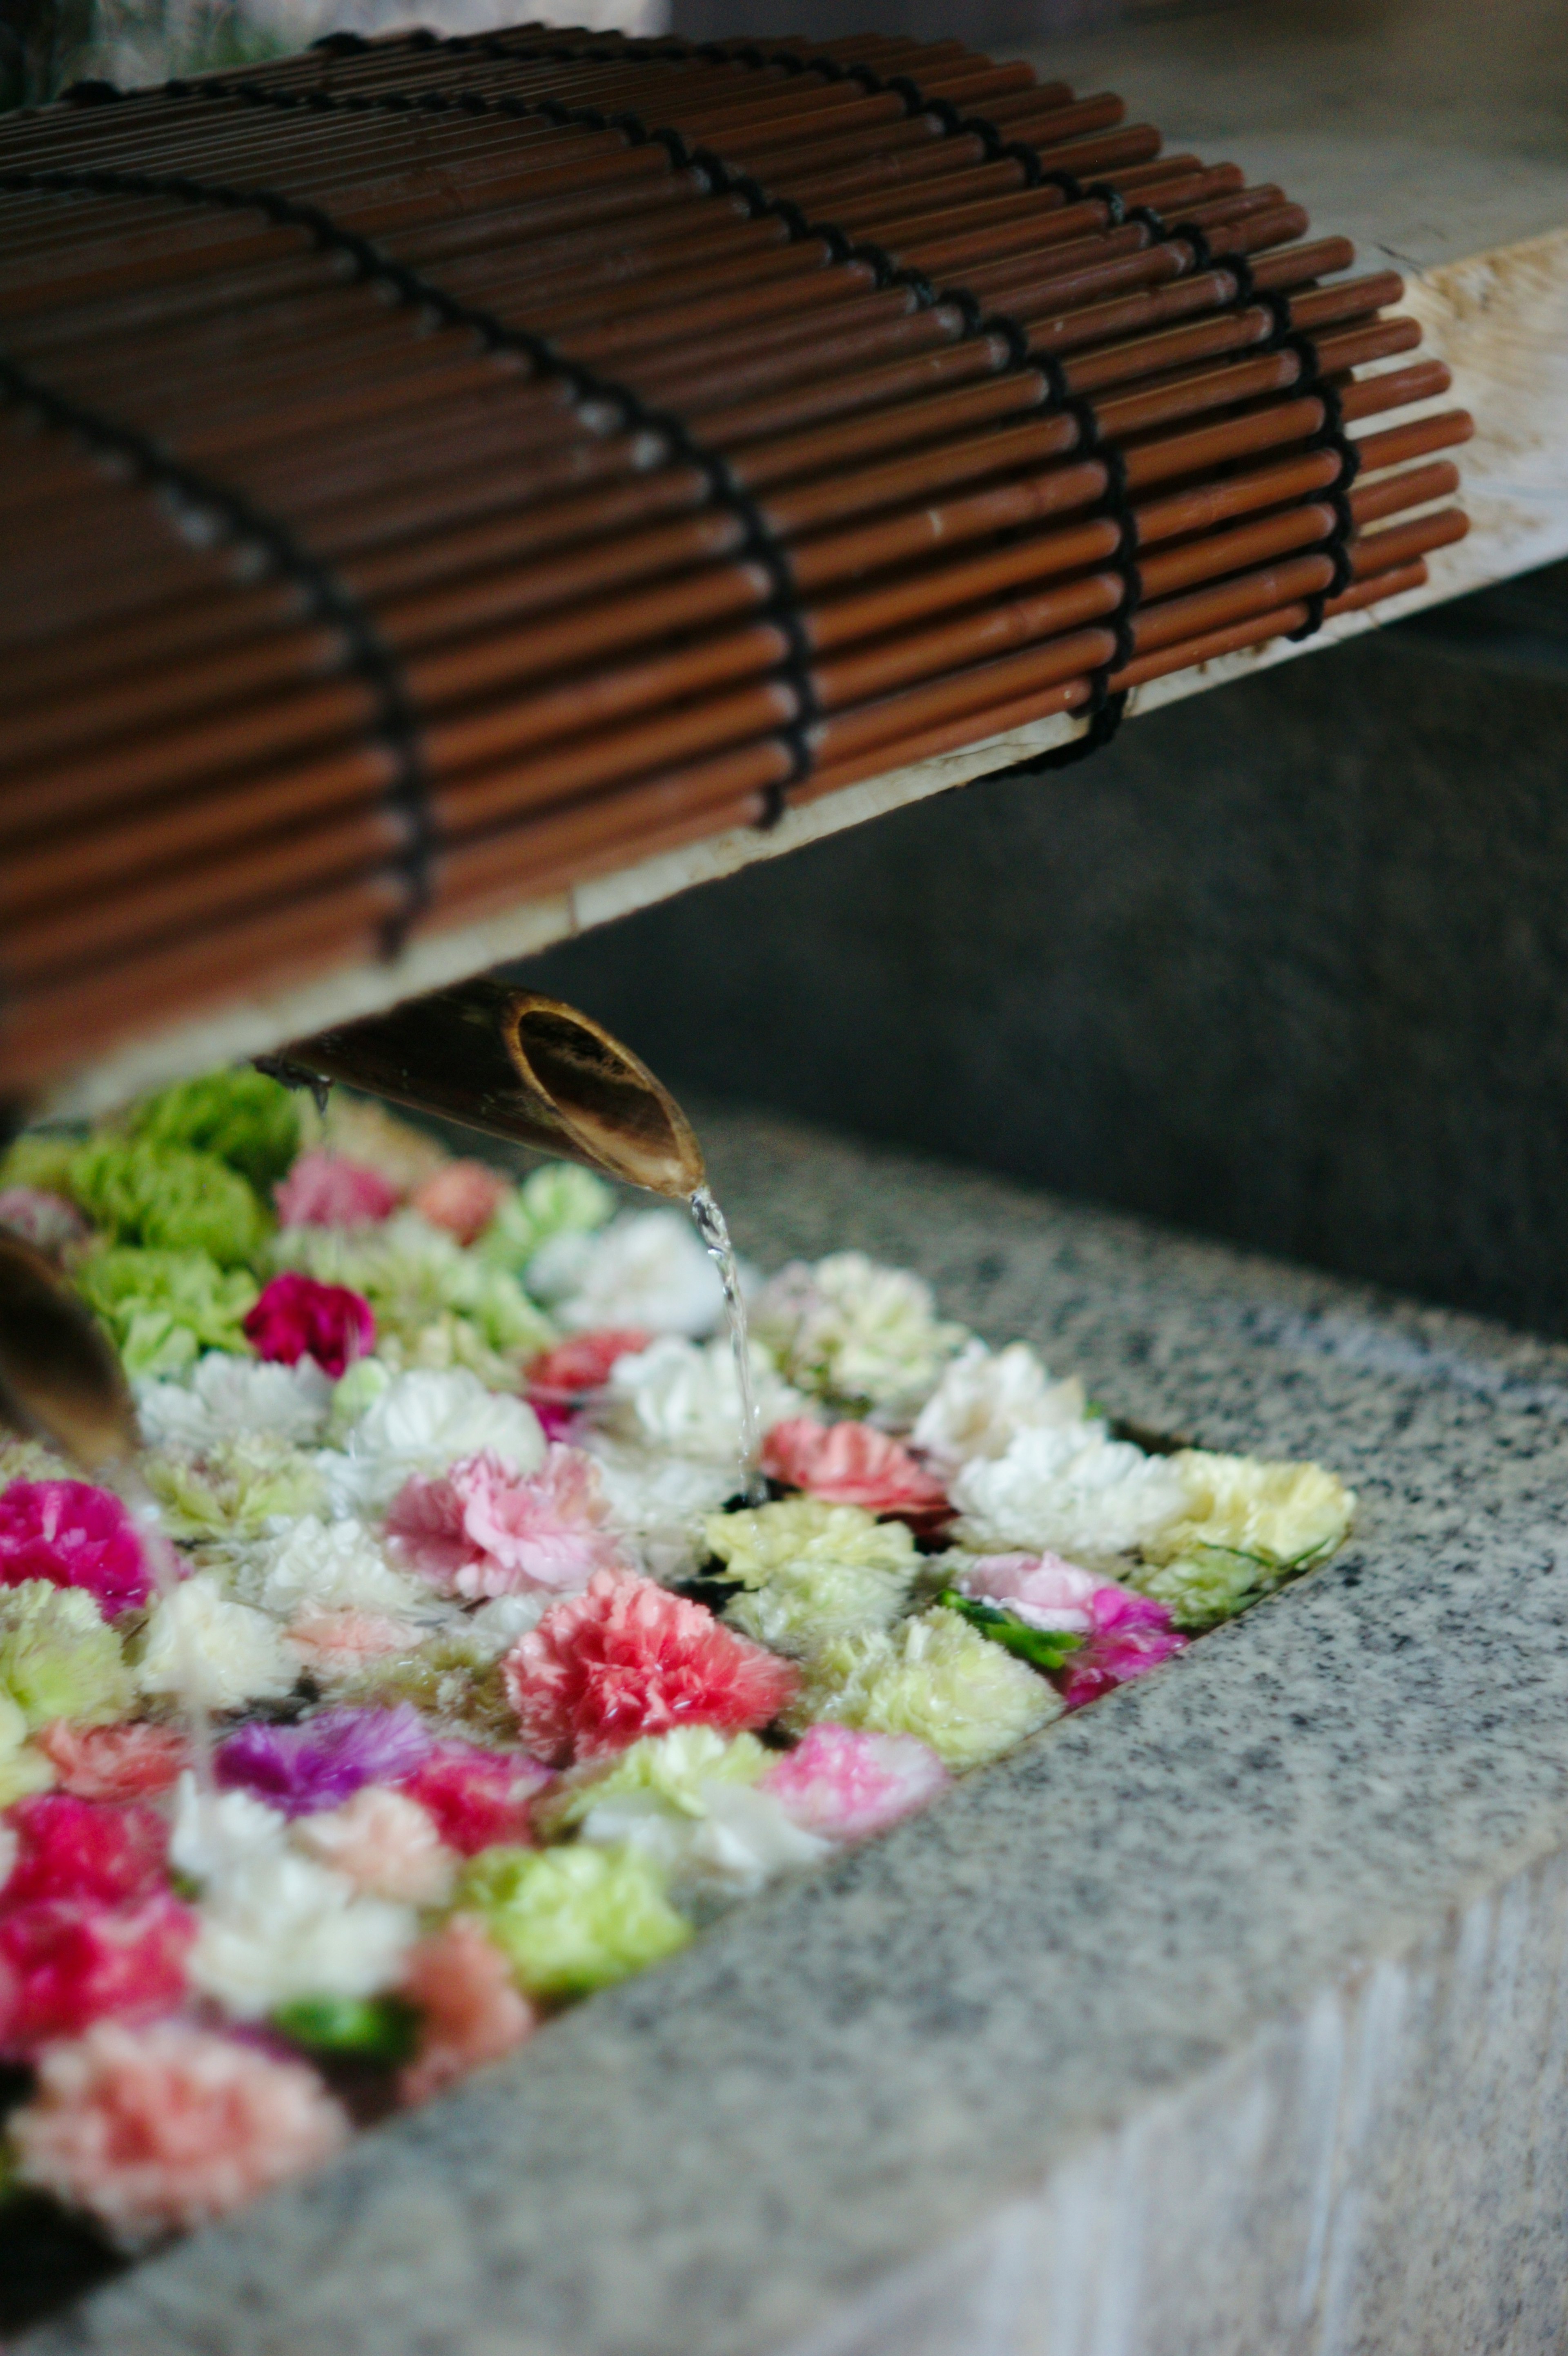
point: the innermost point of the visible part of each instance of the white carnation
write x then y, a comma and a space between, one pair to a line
214, 1831
659, 1503
742, 1839
685, 1397
212, 1654
424, 1422
1070, 1489
495, 1627
235, 1398
864, 1337
986, 1398
647, 1268
339, 1565
275, 1926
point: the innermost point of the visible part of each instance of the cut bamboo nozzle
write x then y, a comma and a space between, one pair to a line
526, 1068
59, 1379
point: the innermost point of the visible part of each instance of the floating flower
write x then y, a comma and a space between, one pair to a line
248, 1120
384, 1843
324, 1760
1128, 1635
297, 1318
1042, 1590
155, 2129
334, 1566
72, 1535
674, 1769
426, 1423
462, 1197
573, 1920
163, 1308
935, 1677
40, 1159
760, 1541
49, 1222
275, 1927
863, 1338
658, 1502
436, 1305
561, 1379
327, 1190
628, 1659
1070, 1488
985, 1399
481, 1531
687, 1401
1204, 1587
66, 1963
363, 1130
1285, 1515
335, 1645
807, 1604
115, 1762
168, 1198
477, 1799
58, 1659
852, 1464
471, 2012
739, 1839
67, 1848
228, 1398
560, 1199
646, 1268
236, 1491
211, 1654
846, 1785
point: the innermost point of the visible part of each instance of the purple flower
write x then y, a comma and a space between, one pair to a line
325, 1760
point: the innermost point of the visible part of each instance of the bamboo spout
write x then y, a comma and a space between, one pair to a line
513, 1064
60, 1380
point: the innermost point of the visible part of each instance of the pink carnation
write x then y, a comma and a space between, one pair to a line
115, 1762
583, 1362
847, 1785
67, 1848
67, 1962
463, 1198
628, 1659
1129, 1635
327, 1190
385, 1843
480, 1530
1043, 1589
472, 2013
159, 2129
850, 1464
74, 1536
297, 1318
46, 1220
478, 1799
337, 1640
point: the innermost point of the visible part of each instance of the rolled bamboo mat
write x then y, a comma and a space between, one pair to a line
437, 471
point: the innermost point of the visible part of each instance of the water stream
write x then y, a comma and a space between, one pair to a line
715, 1235
168, 1574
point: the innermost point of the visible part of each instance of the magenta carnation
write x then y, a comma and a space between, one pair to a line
628, 1659
327, 1190
1129, 1635
67, 1848
297, 1318
847, 1785
851, 1465
324, 1760
480, 1530
115, 1762
67, 1962
72, 1535
479, 1799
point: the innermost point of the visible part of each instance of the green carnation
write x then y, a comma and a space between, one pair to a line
235, 1488
808, 1604
755, 1545
1206, 1585
42, 1159
168, 1198
163, 1308
558, 1200
59, 1659
934, 1677
573, 1920
240, 1117
23, 1769
670, 1768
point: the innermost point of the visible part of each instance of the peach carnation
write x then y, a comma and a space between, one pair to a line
480, 1530
327, 1190
463, 1198
386, 1844
335, 1642
159, 2129
851, 1465
472, 2011
115, 1762
628, 1659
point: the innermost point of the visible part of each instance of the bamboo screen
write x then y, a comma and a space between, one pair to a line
435, 470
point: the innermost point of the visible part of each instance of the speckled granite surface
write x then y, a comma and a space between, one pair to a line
1225, 2017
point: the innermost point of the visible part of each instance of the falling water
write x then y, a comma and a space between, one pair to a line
716, 1242
167, 1575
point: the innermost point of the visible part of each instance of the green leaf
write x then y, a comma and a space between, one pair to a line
1043, 1648
371, 2028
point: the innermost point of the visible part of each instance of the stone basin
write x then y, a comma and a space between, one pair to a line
1228, 2017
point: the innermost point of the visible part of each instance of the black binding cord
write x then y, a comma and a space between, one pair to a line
198, 500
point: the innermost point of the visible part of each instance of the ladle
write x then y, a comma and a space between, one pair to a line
59, 1379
